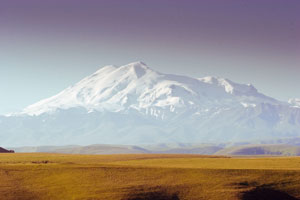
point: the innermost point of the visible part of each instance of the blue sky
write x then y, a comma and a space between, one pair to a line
48, 45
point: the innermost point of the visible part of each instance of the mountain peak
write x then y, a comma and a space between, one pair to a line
230, 86
138, 63
136, 68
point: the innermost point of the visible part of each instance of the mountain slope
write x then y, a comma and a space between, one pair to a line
134, 104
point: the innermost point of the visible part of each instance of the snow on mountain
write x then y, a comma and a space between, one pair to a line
295, 102
136, 86
134, 104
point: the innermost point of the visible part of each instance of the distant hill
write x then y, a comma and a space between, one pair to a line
2, 150
91, 149
42, 149
204, 149
124, 149
103, 149
262, 149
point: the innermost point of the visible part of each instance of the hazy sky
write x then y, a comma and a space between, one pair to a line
45, 46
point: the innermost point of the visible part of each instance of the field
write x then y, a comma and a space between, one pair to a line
145, 177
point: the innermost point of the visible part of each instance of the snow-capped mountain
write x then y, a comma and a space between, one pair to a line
135, 104
137, 87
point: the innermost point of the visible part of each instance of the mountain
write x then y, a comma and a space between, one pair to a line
267, 150
134, 104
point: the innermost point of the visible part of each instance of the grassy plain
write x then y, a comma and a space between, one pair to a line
145, 177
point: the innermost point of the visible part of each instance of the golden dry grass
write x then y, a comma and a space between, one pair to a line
129, 177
